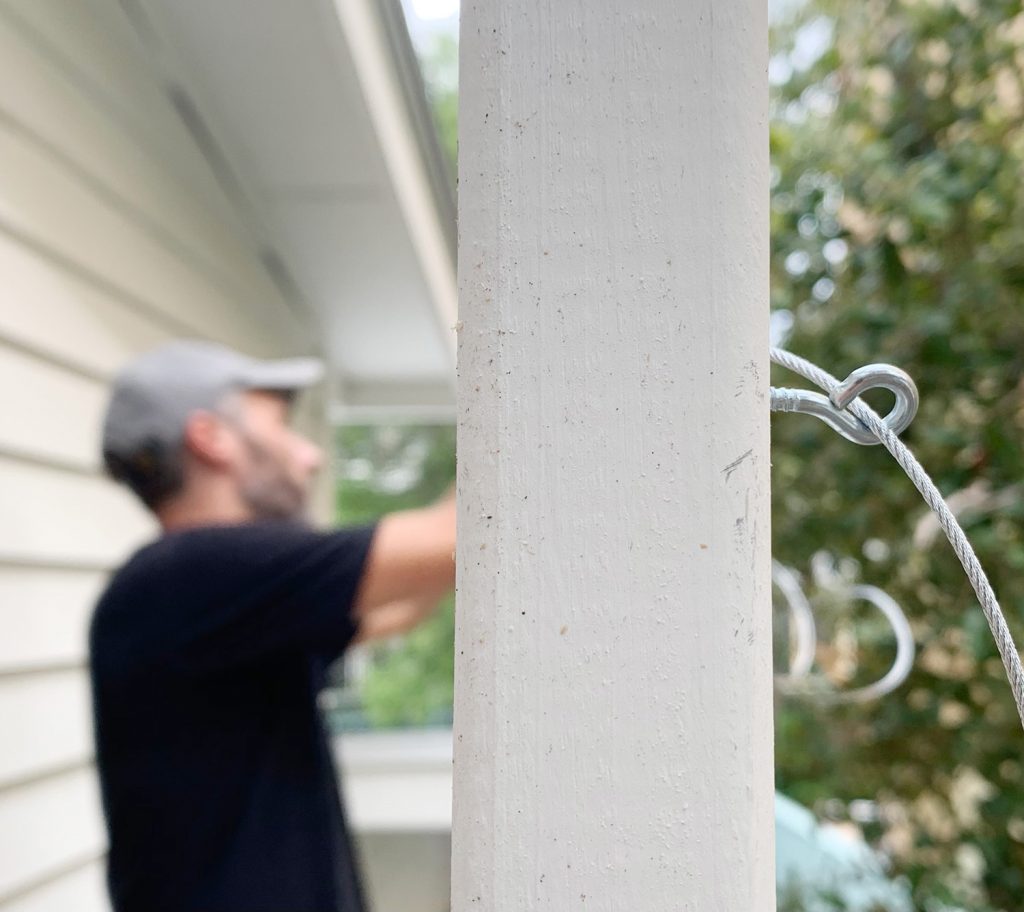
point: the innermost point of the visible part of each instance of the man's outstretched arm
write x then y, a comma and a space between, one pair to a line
411, 566
395, 618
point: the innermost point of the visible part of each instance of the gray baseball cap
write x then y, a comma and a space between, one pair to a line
154, 396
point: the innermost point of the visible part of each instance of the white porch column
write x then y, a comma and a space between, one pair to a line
613, 710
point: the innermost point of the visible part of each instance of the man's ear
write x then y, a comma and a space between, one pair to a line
208, 440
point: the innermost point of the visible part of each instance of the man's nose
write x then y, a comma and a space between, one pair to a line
314, 457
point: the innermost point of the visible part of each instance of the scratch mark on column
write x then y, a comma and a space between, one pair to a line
732, 466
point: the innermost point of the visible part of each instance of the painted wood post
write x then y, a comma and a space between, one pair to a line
613, 716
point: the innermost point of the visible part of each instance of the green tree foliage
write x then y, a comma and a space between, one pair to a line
441, 75
392, 467
898, 235
412, 683
387, 468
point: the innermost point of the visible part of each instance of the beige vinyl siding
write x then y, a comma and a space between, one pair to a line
54, 517
115, 234
99, 328
43, 615
46, 826
46, 723
80, 888
60, 421
92, 44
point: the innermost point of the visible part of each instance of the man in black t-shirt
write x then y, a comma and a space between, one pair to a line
209, 646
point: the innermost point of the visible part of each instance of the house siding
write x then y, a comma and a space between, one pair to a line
115, 235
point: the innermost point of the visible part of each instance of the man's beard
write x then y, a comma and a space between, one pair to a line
266, 488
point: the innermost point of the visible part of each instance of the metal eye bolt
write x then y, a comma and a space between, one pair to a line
833, 409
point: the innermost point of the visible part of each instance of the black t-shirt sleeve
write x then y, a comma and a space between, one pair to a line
272, 589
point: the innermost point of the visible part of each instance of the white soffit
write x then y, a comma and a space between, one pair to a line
316, 110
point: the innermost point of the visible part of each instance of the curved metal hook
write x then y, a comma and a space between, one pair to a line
803, 621
799, 680
882, 376
904, 661
833, 409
